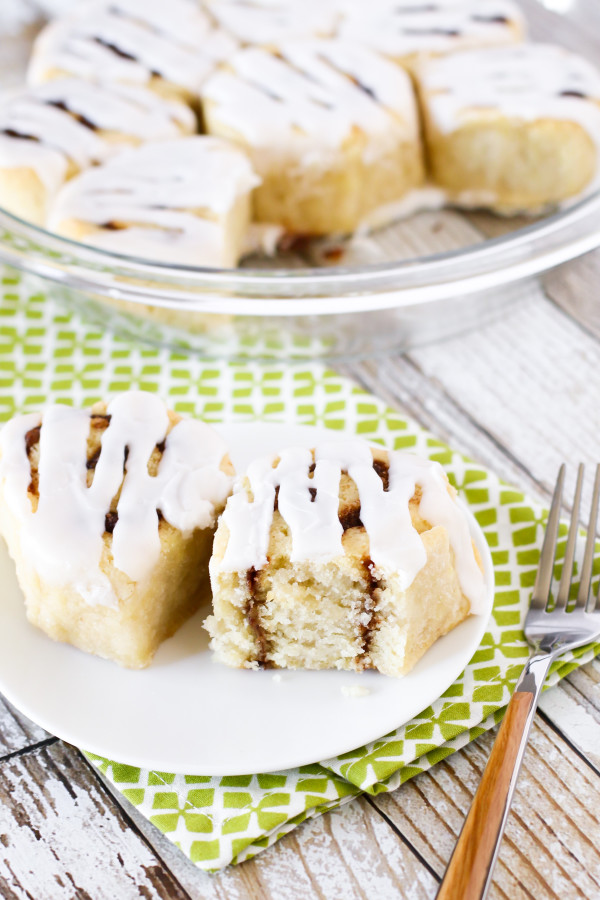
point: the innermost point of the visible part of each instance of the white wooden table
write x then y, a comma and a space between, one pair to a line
530, 401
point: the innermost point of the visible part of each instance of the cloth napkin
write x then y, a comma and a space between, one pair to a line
49, 355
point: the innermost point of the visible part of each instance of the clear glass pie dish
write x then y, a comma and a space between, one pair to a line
430, 275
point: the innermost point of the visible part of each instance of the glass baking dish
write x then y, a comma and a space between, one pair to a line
428, 276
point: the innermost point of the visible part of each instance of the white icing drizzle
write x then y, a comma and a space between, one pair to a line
33, 118
169, 199
313, 93
527, 82
269, 22
315, 529
402, 28
63, 539
132, 42
124, 109
64, 122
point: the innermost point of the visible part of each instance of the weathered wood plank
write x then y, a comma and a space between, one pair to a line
16, 731
526, 385
573, 707
551, 848
574, 287
402, 384
62, 836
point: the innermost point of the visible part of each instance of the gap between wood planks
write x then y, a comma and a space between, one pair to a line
371, 801
125, 808
30, 748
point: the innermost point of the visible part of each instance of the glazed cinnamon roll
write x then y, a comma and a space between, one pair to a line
514, 129
341, 557
331, 128
268, 23
109, 515
184, 201
50, 133
408, 31
170, 47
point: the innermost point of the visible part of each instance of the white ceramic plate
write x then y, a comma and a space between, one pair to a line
188, 714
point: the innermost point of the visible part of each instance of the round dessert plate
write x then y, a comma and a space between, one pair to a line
188, 714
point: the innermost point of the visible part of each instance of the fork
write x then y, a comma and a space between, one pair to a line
551, 628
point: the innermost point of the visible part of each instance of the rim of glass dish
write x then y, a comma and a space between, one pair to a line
492, 263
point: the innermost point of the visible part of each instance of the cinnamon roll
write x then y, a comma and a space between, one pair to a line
170, 47
343, 557
408, 31
109, 515
331, 128
514, 129
268, 23
184, 201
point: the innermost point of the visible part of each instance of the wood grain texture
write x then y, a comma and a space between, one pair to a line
573, 707
16, 731
62, 835
523, 406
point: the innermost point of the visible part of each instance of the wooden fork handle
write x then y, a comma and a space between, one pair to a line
469, 871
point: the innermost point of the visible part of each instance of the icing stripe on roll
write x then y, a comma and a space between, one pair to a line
317, 91
133, 42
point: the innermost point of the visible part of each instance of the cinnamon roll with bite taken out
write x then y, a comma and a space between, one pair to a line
342, 557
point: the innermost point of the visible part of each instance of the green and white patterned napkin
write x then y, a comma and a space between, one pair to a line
49, 355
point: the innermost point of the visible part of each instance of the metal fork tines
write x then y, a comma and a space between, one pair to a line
554, 625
